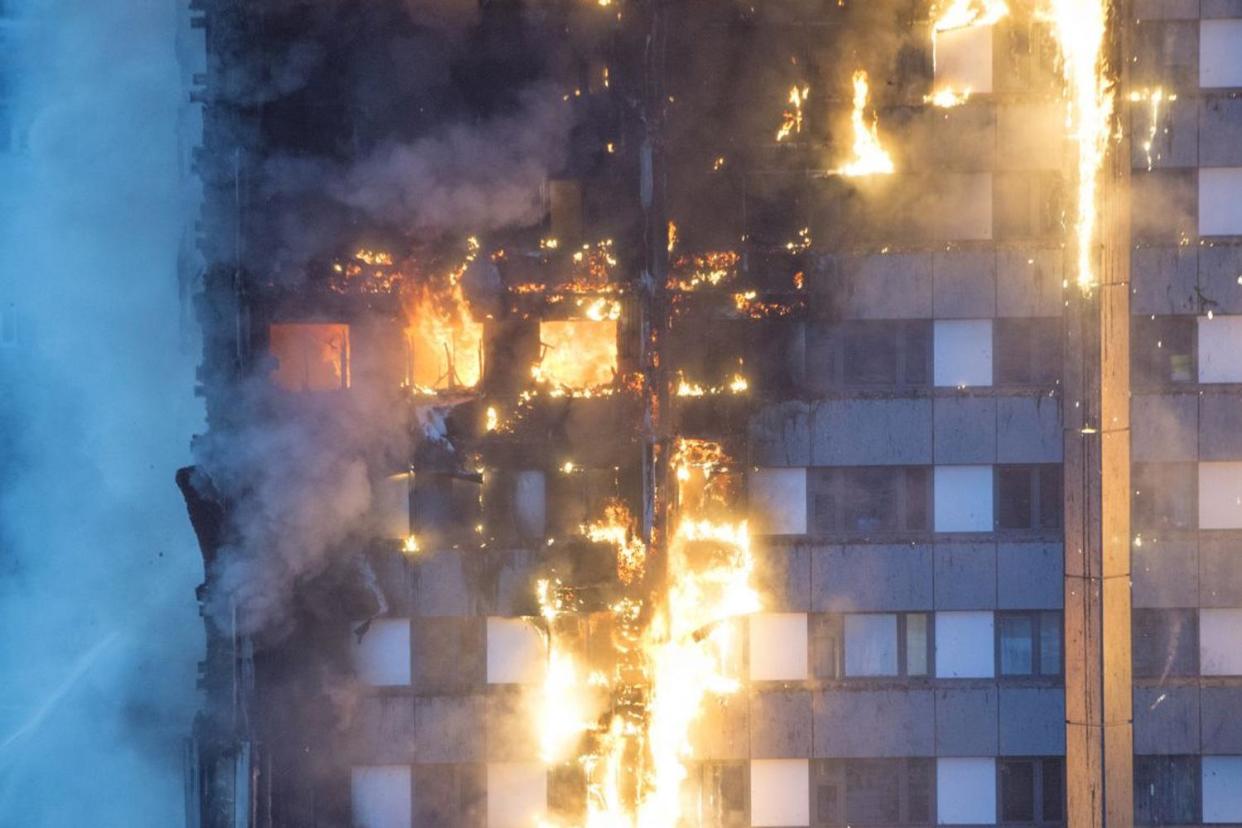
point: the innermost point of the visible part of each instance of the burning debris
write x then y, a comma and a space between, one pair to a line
870, 157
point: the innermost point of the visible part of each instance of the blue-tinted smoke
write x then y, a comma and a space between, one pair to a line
99, 632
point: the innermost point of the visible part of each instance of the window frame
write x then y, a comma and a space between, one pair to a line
836, 772
835, 623
1143, 362
1039, 769
837, 482
1037, 473
1036, 338
902, 334
1039, 620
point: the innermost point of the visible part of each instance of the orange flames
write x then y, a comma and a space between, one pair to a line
445, 342
870, 157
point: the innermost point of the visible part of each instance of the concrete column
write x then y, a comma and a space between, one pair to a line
1099, 732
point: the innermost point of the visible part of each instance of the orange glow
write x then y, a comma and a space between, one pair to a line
310, 356
446, 344
791, 120
577, 353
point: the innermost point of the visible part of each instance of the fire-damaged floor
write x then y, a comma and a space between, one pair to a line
551, 348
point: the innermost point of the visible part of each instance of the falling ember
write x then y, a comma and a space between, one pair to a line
870, 157
1079, 28
1154, 98
791, 120
446, 344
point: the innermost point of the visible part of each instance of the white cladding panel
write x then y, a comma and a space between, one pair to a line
1220, 59
1220, 495
778, 500
778, 648
517, 795
965, 645
1220, 208
962, 352
1220, 347
780, 793
963, 497
964, 59
380, 796
1220, 642
966, 791
516, 653
1222, 789
382, 657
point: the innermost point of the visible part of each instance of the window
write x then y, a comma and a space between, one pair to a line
870, 499
1165, 642
1028, 497
1032, 791
449, 795
721, 799
827, 646
869, 354
778, 646
1164, 496
1220, 642
1026, 351
310, 357
382, 652
1220, 212
1220, 342
966, 791
779, 792
1028, 643
1222, 789
873, 792
1220, 63
963, 352
517, 794
1166, 790
1220, 495
778, 500
515, 651
1162, 350
380, 795
963, 59
887, 644
965, 647
963, 499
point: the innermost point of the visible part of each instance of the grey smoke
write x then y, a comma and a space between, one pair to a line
296, 470
465, 177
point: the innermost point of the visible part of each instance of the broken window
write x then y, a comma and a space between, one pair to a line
1162, 350
717, 795
1165, 643
1166, 790
871, 499
1028, 496
1032, 790
1026, 351
309, 356
577, 354
1029, 643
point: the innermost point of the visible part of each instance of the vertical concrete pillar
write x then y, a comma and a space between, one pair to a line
1099, 731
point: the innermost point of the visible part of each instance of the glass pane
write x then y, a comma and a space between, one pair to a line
1017, 791
1049, 497
1054, 790
872, 791
1050, 643
918, 353
870, 500
1016, 646
916, 644
919, 783
1014, 493
917, 491
871, 644
871, 354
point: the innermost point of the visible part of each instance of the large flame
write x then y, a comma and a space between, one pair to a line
870, 157
1080, 27
956, 15
791, 119
446, 344
668, 661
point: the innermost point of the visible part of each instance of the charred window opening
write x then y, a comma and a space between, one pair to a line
310, 356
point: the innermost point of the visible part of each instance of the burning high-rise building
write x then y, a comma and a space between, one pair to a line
711, 414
